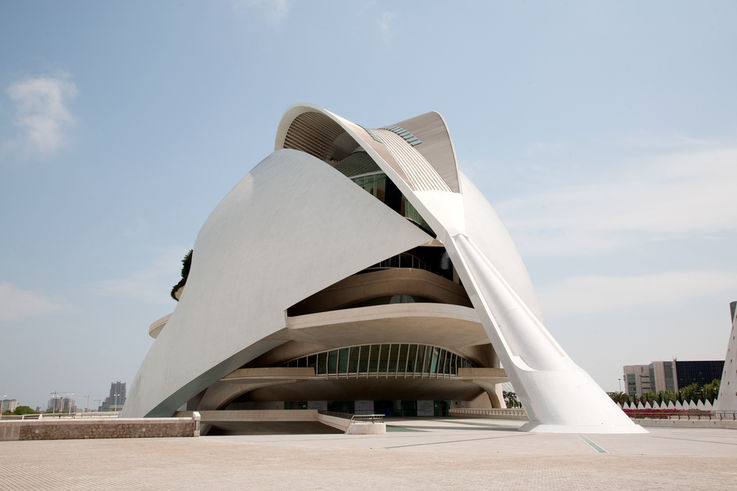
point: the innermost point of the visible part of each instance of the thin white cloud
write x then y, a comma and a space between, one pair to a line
41, 113
582, 295
150, 283
385, 21
273, 10
667, 196
16, 303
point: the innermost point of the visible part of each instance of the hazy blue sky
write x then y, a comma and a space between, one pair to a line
605, 134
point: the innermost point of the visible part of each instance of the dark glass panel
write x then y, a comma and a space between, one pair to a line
402, 358
333, 361
374, 358
363, 366
343, 360
384, 357
441, 362
428, 359
412, 358
434, 361
393, 357
353, 360
322, 366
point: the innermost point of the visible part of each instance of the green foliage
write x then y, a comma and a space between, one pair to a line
666, 396
620, 397
24, 410
692, 392
186, 265
510, 399
711, 390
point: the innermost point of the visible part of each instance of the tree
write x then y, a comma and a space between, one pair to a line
186, 265
711, 390
692, 392
24, 410
510, 399
620, 397
666, 396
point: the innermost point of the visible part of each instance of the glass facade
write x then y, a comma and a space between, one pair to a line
376, 184
384, 360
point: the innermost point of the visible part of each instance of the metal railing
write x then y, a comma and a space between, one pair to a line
87, 415
367, 418
471, 411
355, 418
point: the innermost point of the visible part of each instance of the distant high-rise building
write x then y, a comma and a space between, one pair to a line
637, 379
699, 372
116, 399
663, 376
8, 405
669, 375
60, 404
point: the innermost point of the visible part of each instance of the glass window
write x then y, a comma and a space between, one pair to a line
412, 358
353, 360
434, 361
441, 362
333, 362
384, 357
393, 357
364, 357
343, 360
402, 367
311, 360
322, 363
420, 363
374, 358
453, 364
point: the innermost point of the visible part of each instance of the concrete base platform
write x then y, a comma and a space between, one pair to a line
414, 453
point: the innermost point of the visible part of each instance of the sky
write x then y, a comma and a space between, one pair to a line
603, 133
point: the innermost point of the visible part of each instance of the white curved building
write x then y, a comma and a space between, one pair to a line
359, 267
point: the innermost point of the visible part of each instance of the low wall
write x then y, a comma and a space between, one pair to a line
686, 423
253, 415
99, 428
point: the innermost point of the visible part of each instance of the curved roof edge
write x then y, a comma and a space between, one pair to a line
436, 147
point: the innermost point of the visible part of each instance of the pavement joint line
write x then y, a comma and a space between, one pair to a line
692, 440
592, 444
457, 441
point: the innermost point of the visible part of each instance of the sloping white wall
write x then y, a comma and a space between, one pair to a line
291, 227
727, 400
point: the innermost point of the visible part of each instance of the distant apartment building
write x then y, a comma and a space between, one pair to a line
8, 405
59, 404
637, 379
116, 399
669, 375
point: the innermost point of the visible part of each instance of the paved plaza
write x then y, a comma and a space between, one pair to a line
414, 453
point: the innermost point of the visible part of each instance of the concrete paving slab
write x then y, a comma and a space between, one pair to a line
428, 453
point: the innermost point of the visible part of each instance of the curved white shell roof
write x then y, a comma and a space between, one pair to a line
294, 226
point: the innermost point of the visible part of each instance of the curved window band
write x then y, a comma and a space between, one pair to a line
404, 360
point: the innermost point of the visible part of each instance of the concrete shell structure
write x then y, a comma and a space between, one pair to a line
727, 400
300, 278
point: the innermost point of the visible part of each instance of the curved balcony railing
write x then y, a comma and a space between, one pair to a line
403, 260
